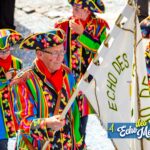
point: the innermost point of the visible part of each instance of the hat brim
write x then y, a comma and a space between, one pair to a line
10, 38
94, 7
41, 41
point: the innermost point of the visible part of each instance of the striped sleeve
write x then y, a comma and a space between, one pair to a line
94, 35
25, 108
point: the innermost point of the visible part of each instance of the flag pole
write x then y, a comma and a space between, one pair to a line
135, 62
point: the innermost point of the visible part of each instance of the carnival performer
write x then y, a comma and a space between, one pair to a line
9, 65
84, 34
41, 93
145, 27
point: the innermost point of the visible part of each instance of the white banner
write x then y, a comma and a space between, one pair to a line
116, 89
141, 109
113, 90
113, 76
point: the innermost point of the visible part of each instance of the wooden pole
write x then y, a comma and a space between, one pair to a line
136, 72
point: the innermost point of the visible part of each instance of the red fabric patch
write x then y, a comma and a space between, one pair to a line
56, 78
6, 64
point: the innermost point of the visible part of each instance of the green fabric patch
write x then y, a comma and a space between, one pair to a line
103, 35
88, 43
2, 45
76, 115
3, 80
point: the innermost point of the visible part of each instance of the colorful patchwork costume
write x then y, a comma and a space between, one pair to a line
35, 98
147, 56
81, 49
7, 120
145, 27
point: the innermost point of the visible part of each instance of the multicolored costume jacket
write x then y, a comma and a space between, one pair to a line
7, 120
35, 99
145, 29
147, 57
81, 49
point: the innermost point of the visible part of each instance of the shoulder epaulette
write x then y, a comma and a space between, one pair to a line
103, 22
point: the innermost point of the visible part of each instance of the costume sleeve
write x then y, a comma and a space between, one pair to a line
3, 81
80, 144
93, 35
25, 108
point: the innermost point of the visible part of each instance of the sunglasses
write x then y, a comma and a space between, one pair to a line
3, 52
55, 54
